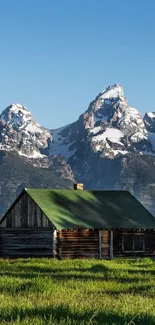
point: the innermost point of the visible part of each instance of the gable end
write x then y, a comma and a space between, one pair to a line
25, 213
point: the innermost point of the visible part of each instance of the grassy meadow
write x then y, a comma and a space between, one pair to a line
46, 291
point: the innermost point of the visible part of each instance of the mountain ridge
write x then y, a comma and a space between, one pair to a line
104, 148
109, 110
108, 113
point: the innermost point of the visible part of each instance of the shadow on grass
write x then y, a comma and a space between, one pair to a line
57, 276
16, 288
30, 286
96, 268
143, 266
61, 275
138, 290
67, 273
60, 313
96, 273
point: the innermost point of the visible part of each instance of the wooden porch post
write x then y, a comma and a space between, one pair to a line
111, 244
100, 243
55, 243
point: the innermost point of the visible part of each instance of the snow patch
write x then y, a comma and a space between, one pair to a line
56, 133
95, 129
34, 154
152, 115
114, 91
111, 153
112, 134
62, 149
60, 145
118, 152
138, 136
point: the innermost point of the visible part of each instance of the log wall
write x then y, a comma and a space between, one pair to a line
26, 242
105, 240
82, 243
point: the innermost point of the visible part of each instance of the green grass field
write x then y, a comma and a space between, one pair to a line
46, 291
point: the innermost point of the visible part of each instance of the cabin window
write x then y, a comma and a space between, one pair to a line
133, 243
139, 243
127, 243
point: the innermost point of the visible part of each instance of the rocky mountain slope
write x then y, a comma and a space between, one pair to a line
110, 146
110, 126
17, 172
23, 158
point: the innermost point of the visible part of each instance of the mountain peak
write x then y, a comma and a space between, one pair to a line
16, 115
108, 100
18, 106
19, 132
113, 91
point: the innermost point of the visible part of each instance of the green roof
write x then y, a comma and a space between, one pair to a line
68, 209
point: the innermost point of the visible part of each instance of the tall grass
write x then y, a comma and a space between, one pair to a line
73, 292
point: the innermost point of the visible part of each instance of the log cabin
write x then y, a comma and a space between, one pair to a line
76, 224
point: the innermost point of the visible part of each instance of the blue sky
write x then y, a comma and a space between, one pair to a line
56, 56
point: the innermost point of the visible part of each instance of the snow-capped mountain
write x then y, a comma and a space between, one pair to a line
110, 146
111, 126
19, 132
118, 128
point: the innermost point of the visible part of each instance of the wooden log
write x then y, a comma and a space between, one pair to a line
26, 242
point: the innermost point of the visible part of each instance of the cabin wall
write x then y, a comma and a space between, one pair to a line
25, 214
26, 231
26, 242
82, 243
149, 243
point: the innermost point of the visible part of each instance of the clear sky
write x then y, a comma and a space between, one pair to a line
57, 55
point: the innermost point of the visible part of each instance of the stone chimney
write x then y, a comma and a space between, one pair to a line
78, 186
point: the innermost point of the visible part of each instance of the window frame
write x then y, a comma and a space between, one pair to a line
133, 243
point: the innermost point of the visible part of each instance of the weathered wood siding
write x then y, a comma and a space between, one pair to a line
26, 231
149, 241
25, 214
26, 242
81, 243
